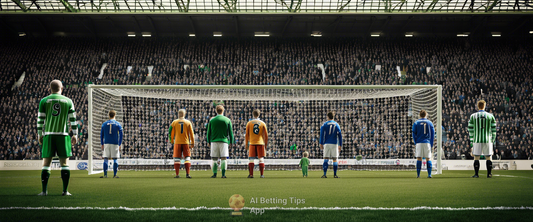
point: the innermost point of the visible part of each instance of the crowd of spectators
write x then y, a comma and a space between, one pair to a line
498, 71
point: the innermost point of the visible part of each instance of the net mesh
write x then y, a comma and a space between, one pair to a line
375, 123
262, 93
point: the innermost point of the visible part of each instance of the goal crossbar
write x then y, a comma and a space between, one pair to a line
263, 86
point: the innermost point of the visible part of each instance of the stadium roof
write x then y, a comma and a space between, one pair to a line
273, 25
267, 6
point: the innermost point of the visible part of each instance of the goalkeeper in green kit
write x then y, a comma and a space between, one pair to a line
55, 118
304, 163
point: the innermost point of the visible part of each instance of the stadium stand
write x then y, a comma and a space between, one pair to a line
498, 71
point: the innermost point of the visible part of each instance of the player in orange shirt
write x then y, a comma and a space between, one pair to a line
256, 141
181, 135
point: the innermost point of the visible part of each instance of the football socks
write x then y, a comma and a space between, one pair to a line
45, 175
214, 167
261, 168
489, 167
325, 166
476, 166
106, 165
187, 166
223, 167
177, 165
418, 167
262, 165
65, 175
251, 168
115, 167
430, 166
335, 165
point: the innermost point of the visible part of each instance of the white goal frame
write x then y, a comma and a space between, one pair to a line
438, 124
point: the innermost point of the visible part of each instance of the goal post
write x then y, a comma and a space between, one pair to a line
375, 107
439, 129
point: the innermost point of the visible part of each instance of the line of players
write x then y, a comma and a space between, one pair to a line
482, 129
220, 138
56, 116
481, 126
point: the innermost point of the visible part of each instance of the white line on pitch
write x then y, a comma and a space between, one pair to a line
270, 208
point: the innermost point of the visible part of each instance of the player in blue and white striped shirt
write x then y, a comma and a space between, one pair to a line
111, 139
423, 136
330, 142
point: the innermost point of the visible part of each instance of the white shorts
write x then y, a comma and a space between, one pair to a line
331, 151
423, 150
482, 149
111, 151
219, 149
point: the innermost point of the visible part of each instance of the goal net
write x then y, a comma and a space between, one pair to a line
375, 120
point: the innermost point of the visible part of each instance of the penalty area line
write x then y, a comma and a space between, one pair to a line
511, 176
270, 208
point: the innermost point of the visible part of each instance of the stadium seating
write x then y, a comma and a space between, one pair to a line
498, 71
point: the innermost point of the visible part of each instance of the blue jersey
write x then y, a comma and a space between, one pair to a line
111, 133
423, 131
330, 133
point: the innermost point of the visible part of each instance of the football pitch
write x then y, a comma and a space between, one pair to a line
282, 195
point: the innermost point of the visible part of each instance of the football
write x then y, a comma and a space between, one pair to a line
236, 202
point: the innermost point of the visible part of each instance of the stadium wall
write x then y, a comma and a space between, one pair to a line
446, 164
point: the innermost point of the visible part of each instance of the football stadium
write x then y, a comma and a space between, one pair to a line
266, 110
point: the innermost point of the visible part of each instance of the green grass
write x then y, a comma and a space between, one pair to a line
307, 216
158, 189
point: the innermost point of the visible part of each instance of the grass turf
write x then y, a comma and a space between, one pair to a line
158, 189
278, 215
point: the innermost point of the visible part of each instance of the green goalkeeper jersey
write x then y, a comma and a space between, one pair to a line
56, 116
220, 129
482, 127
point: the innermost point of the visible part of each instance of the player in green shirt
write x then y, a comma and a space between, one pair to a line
56, 117
482, 130
304, 163
219, 137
